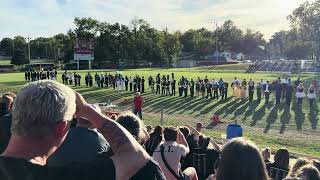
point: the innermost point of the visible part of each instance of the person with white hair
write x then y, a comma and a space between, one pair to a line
41, 119
82, 144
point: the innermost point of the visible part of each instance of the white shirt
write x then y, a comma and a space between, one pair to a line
172, 153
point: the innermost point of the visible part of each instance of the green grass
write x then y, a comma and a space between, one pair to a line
5, 62
272, 126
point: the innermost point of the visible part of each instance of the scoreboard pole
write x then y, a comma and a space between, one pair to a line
78, 64
89, 64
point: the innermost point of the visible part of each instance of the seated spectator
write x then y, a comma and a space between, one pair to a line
169, 153
155, 139
316, 164
299, 163
149, 129
5, 120
205, 157
309, 172
82, 144
241, 159
40, 122
279, 169
6, 103
135, 126
185, 131
266, 154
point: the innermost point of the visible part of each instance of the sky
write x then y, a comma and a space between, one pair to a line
49, 17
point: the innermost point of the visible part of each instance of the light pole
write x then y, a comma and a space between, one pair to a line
216, 36
29, 48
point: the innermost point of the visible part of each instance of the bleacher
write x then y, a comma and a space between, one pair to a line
284, 66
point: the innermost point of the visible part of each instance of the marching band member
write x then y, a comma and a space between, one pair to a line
185, 87
311, 95
300, 94
267, 92
235, 88
198, 86
251, 90
173, 87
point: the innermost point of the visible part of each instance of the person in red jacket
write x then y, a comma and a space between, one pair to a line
137, 105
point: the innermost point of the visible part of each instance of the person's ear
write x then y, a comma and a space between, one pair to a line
61, 129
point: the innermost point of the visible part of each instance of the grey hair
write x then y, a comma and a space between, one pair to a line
39, 106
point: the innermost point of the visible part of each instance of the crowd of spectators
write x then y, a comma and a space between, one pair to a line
50, 132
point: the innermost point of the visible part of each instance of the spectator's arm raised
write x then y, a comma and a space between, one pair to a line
129, 156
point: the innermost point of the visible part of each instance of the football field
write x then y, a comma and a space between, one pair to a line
274, 126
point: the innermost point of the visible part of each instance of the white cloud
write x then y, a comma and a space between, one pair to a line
49, 17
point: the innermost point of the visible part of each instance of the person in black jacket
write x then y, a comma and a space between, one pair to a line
267, 92
289, 92
259, 91
251, 90
278, 89
173, 87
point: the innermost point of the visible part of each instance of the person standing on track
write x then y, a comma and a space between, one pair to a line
137, 104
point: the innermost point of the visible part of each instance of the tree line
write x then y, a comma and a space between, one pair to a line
139, 43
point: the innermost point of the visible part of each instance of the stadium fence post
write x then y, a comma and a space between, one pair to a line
161, 117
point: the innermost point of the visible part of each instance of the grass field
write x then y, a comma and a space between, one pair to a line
5, 62
273, 126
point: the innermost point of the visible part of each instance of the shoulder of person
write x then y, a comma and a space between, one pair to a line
150, 171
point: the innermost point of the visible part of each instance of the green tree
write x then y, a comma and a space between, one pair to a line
306, 20
170, 46
19, 42
19, 57
86, 28
6, 47
226, 35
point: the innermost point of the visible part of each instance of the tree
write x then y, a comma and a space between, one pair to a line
170, 46
226, 35
306, 20
6, 47
19, 57
19, 42
86, 28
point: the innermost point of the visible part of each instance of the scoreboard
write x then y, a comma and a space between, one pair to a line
83, 51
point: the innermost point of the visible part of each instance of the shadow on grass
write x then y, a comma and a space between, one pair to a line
313, 116
242, 109
299, 115
272, 117
15, 83
258, 115
285, 119
210, 108
252, 108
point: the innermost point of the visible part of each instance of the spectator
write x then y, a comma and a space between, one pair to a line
316, 164
138, 104
5, 120
82, 144
155, 139
299, 163
149, 129
6, 103
279, 169
309, 172
135, 126
185, 131
40, 123
266, 154
241, 159
199, 127
169, 153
